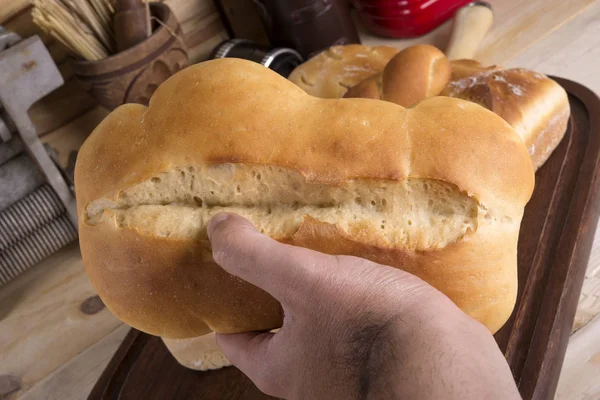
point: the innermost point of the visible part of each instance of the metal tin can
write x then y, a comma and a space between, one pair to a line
281, 60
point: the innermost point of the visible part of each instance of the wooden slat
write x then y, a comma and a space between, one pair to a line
60, 107
557, 55
43, 326
572, 52
201, 25
81, 371
71, 136
204, 36
10, 8
580, 378
202, 51
189, 10
535, 19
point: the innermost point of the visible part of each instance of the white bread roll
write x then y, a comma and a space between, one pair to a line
412, 75
437, 190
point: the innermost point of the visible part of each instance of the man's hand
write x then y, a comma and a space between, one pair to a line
353, 328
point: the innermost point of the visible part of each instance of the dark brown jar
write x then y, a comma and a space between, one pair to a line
308, 26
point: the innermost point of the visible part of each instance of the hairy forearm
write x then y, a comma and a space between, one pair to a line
440, 361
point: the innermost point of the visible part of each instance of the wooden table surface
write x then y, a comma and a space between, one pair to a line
55, 336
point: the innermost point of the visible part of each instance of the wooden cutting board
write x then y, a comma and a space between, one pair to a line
554, 246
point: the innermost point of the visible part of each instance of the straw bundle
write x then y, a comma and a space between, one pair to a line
83, 26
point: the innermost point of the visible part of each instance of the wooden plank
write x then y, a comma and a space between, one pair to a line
202, 51
580, 378
201, 25
61, 107
519, 26
557, 55
589, 302
10, 8
71, 136
49, 315
572, 52
198, 30
81, 372
189, 10
204, 36
534, 20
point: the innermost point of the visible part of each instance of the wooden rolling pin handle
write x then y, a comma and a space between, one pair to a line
124, 5
131, 23
471, 24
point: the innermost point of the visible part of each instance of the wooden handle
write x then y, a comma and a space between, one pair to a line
131, 23
124, 5
471, 24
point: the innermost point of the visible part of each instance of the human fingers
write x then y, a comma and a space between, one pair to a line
254, 354
281, 270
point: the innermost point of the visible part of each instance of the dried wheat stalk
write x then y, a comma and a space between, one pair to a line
84, 27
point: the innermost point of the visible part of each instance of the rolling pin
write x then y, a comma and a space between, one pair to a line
470, 25
132, 23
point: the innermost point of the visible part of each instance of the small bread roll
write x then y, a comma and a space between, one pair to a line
412, 75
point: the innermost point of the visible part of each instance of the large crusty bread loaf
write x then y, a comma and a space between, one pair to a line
437, 190
534, 105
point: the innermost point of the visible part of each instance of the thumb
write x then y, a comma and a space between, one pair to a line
281, 270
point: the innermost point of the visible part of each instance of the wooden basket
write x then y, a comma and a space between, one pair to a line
133, 75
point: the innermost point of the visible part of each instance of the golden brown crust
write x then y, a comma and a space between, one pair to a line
240, 112
475, 268
332, 72
370, 88
412, 75
533, 104
539, 113
323, 138
170, 287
